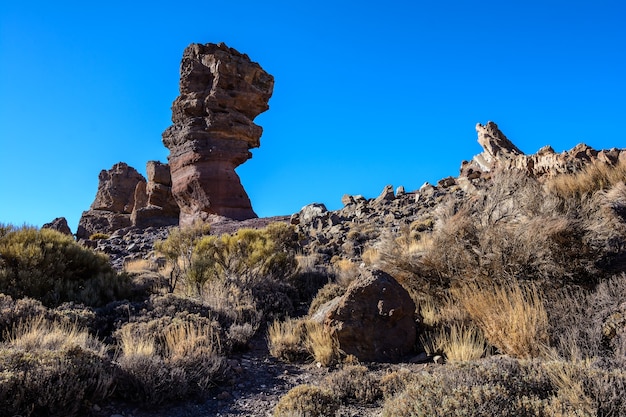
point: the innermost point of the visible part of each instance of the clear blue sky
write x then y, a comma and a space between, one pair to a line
367, 93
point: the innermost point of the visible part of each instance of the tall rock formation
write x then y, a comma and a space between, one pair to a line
221, 92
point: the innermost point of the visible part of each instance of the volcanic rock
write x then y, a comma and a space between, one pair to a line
116, 189
154, 204
374, 320
499, 153
221, 92
114, 201
59, 224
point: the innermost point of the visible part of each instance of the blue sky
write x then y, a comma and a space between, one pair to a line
366, 93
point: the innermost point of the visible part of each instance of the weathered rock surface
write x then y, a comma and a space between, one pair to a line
154, 204
500, 153
375, 319
59, 224
221, 92
114, 202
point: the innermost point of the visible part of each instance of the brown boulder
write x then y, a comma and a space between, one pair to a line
375, 319
221, 92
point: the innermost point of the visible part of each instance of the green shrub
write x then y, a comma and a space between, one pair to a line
247, 256
306, 400
178, 250
257, 261
51, 267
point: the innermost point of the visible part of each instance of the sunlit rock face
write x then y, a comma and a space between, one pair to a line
499, 153
221, 92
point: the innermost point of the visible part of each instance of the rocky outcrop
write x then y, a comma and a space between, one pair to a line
60, 225
374, 320
154, 203
114, 202
499, 153
221, 92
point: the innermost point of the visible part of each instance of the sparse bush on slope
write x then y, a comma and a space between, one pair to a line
515, 228
51, 267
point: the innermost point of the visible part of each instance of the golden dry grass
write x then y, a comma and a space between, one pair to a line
135, 345
460, 343
41, 333
285, 339
321, 344
593, 177
512, 316
345, 271
137, 266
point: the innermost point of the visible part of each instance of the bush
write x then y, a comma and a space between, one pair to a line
306, 400
51, 267
165, 360
50, 369
499, 386
354, 383
513, 229
247, 256
512, 316
178, 250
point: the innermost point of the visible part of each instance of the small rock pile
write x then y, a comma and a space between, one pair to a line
129, 244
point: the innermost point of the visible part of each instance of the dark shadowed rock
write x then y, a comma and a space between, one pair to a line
59, 224
221, 92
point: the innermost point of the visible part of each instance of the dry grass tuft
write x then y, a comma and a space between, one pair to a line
459, 343
138, 266
592, 178
296, 340
52, 369
39, 333
512, 316
321, 344
286, 340
181, 360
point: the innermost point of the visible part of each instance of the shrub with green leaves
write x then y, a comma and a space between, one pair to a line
53, 268
245, 256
